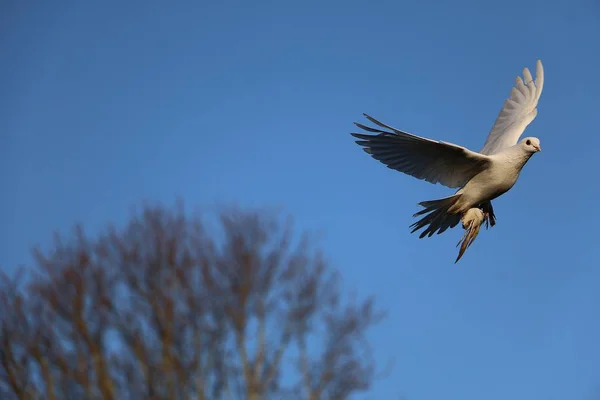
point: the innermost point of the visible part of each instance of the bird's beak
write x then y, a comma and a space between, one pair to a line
538, 148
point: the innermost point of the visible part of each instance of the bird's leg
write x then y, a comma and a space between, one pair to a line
488, 214
486, 218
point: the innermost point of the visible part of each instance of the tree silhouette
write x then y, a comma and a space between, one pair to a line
177, 307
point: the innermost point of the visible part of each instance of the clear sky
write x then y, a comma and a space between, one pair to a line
106, 104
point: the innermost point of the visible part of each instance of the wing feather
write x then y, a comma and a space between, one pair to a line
518, 111
422, 158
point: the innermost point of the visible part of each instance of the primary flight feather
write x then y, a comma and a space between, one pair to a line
479, 176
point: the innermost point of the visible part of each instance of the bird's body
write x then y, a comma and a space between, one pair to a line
501, 175
480, 177
498, 177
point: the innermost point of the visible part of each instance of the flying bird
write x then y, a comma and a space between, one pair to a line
479, 176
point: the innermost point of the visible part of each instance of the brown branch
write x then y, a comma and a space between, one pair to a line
186, 322
45, 368
261, 352
48, 381
8, 362
98, 360
276, 361
304, 367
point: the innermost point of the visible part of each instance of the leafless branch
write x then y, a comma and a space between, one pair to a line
171, 308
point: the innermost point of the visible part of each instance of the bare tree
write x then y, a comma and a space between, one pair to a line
170, 308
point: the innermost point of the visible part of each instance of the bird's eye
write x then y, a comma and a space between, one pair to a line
528, 143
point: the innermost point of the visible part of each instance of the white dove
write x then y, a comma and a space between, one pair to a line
480, 177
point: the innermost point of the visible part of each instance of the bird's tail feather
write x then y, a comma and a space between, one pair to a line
437, 216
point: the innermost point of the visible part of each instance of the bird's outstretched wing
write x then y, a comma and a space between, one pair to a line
427, 159
517, 112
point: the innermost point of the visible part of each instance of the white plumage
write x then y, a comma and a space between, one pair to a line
518, 111
480, 176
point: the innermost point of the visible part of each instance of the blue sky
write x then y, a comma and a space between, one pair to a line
105, 105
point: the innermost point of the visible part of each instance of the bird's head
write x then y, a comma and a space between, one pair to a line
531, 144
